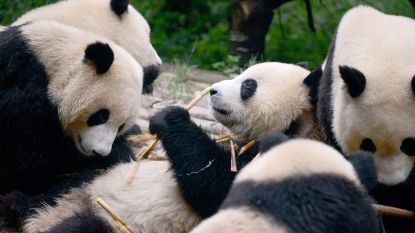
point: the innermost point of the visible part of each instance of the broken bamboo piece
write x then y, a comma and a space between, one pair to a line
147, 151
234, 167
248, 146
119, 222
393, 211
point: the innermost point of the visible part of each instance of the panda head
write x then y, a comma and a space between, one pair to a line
264, 98
297, 157
373, 90
101, 97
115, 19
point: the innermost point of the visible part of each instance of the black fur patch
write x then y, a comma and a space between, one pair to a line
248, 89
119, 6
324, 102
101, 55
413, 84
150, 74
272, 140
312, 204
312, 81
201, 167
99, 117
354, 79
292, 128
365, 168
408, 146
368, 145
84, 222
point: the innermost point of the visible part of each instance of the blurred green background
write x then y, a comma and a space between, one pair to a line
199, 35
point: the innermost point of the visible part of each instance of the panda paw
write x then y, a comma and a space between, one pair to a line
170, 118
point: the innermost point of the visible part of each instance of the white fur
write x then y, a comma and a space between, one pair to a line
280, 98
131, 31
151, 203
239, 220
297, 157
381, 47
78, 91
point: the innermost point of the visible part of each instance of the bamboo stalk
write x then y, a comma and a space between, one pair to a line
234, 167
144, 154
119, 222
248, 146
393, 211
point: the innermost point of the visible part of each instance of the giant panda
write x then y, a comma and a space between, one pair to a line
366, 97
67, 97
115, 19
298, 186
174, 195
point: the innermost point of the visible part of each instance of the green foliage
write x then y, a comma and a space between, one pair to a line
196, 32
10, 10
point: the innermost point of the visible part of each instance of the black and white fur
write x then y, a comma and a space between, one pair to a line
161, 199
366, 99
114, 19
67, 97
265, 97
298, 186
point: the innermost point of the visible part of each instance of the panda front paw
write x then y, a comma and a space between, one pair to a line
170, 118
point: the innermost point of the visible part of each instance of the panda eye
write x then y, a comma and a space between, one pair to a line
368, 145
248, 89
408, 146
99, 117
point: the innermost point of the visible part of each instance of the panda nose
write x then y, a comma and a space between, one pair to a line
213, 92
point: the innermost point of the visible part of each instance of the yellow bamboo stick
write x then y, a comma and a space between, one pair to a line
393, 211
119, 222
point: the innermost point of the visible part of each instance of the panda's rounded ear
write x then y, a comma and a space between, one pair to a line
119, 6
101, 55
354, 79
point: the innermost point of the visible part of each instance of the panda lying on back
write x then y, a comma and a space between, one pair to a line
296, 187
66, 97
164, 200
115, 19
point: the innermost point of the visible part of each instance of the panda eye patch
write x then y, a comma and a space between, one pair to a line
99, 117
408, 146
368, 145
248, 89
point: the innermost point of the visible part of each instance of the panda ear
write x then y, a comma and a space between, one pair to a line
271, 140
302, 64
354, 79
101, 55
119, 6
312, 81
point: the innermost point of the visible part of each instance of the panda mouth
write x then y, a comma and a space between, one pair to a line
222, 111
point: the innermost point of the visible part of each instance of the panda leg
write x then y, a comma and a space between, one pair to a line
202, 167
